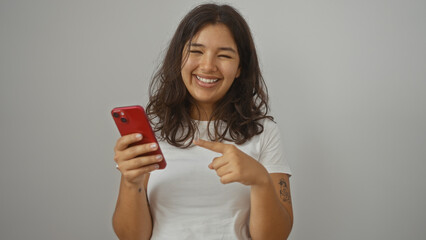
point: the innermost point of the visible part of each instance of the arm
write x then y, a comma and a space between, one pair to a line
271, 214
132, 217
270, 217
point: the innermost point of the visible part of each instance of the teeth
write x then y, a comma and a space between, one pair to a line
205, 80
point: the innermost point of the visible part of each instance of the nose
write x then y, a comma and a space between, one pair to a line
208, 64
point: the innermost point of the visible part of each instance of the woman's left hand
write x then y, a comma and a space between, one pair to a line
234, 165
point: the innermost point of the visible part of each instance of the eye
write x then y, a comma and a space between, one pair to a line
224, 56
195, 51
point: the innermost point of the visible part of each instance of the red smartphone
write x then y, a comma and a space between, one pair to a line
133, 119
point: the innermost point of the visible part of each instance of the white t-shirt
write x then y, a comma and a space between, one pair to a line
187, 199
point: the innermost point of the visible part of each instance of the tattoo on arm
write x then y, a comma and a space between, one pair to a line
284, 191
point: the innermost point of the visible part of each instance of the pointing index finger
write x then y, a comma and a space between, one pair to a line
213, 146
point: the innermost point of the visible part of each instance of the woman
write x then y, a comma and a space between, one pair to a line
226, 177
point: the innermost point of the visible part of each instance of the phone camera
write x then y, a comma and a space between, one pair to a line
116, 115
124, 120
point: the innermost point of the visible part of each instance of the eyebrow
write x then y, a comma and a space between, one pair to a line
221, 48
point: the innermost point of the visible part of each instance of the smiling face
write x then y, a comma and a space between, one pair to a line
211, 66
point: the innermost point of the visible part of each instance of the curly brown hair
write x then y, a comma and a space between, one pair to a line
245, 103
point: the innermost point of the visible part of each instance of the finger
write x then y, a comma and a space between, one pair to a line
125, 141
213, 146
137, 150
140, 162
218, 162
222, 171
227, 178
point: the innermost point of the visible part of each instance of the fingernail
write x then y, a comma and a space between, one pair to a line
138, 136
156, 166
159, 157
153, 146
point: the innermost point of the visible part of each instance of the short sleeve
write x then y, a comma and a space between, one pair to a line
271, 149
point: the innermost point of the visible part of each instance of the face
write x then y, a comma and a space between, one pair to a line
211, 66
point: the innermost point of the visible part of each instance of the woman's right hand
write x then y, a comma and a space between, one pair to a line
132, 166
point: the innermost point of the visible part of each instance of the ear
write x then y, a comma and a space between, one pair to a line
238, 73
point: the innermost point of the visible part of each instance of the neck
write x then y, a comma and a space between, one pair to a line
201, 112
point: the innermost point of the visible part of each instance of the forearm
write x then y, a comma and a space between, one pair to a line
132, 217
268, 218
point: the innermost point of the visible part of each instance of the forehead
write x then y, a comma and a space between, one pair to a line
215, 35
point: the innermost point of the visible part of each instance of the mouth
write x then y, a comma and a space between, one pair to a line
207, 80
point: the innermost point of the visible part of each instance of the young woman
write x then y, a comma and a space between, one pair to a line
226, 177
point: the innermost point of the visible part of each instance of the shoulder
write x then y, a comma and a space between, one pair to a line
270, 127
270, 138
268, 123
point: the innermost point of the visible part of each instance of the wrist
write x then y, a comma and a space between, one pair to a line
130, 185
263, 180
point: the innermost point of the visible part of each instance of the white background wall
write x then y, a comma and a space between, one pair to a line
346, 79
